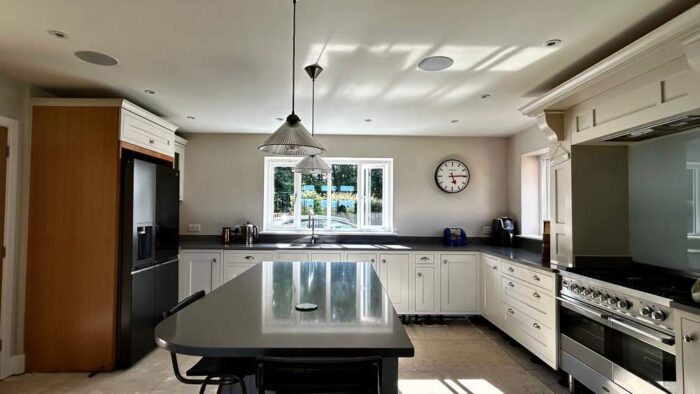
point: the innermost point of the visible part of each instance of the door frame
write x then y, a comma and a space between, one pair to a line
10, 365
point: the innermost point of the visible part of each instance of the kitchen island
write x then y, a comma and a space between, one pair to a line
254, 315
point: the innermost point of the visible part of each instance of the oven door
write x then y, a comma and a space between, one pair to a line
633, 356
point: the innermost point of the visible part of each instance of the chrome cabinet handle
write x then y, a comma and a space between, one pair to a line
536, 295
214, 260
420, 275
383, 261
510, 269
688, 338
424, 258
536, 278
151, 140
511, 311
511, 284
372, 261
494, 268
537, 326
249, 258
444, 261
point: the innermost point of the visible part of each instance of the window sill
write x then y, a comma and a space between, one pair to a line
527, 236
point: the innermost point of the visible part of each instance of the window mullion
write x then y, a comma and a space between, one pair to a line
329, 199
297, 201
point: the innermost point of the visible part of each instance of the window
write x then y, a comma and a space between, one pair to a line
544, 188
355, 197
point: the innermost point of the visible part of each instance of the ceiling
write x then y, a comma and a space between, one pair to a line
228, 62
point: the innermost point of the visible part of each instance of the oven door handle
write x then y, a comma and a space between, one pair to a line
665, 339
580, 308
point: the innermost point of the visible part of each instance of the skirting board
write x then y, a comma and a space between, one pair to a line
16, 364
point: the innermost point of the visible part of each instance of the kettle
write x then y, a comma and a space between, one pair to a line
249, 233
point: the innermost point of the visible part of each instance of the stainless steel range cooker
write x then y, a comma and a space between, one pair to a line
616, 331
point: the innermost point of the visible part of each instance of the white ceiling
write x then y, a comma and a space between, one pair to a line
227, 62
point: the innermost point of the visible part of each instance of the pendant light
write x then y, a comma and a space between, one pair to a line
313, 164
292, 138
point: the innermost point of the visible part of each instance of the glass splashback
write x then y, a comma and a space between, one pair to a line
664, 201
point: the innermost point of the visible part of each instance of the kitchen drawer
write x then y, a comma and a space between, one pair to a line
146, 134
537, 278
421, 258
247, 257
531, 333
528, 298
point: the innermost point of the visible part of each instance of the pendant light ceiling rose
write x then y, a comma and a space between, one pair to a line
292, 138
314, 70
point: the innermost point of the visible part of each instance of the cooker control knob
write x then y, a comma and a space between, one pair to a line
658, 315
586, 292
645, 311
623, 304
597, 296
612, 301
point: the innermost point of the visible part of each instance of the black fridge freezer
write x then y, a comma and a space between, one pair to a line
148, 280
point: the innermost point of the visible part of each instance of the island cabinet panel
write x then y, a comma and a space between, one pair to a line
394, 272
199, 270
355, 257
236, 263
73, 242
459, 286
491, 289
425, 296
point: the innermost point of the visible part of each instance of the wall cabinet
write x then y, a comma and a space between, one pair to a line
687, 352
394, 274
199, 270
490, 288
459, 285
179, 162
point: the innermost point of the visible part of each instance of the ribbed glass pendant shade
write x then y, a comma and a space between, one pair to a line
292, 139
313, 165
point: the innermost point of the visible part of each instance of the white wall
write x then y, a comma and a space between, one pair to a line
527, 141
224, 180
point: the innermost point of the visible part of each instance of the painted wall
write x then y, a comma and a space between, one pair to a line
517, 145
224, 180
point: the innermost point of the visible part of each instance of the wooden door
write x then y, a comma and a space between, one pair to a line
459, 283
3, 187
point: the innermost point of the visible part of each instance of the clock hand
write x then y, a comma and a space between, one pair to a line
454, 181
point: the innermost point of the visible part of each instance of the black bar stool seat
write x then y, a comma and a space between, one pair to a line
207, 366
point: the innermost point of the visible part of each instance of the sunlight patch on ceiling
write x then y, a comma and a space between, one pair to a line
465, 57
523, 58
495, 58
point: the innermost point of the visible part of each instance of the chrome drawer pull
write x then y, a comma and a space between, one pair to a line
510, 269
536, 295
688, 339
444, 261
494, 268
424, 258
383, 261
420, 275
511, 311
372, 261
213, 260
151, 140
511, 284
535, 277
249, 258
537, 326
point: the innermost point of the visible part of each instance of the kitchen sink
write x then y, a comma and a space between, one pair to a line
309, 246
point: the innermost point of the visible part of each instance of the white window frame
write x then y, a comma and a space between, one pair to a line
363, 164
694, 168
544, 179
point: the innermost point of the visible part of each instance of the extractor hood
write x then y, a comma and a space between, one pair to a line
670, 126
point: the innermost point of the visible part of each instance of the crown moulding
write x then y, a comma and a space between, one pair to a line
684, 29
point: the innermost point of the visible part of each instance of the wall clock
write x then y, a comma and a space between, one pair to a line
452, 176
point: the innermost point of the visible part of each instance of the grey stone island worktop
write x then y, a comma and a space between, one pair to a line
527, 253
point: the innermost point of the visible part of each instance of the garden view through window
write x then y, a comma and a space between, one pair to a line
355, 197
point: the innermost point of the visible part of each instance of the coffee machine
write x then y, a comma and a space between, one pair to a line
503, 231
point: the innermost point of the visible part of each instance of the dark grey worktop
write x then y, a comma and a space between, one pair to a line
525, 254
254, 314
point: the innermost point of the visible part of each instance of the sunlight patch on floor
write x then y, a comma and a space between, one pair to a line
447, 386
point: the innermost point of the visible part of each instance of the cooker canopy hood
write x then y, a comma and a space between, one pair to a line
669, 126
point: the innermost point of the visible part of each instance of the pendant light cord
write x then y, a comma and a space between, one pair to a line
313, 104
294, 48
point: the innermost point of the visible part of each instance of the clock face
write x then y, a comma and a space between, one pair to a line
452, 176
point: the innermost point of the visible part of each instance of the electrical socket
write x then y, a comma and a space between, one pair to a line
486, 230
194, 228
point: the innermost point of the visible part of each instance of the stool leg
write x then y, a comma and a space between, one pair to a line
244, 389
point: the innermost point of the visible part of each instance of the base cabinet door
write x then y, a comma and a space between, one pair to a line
394, 275
490, 289
458, 283
199, 270
232, 270
323, 257
236, 263
690, 343
424, 295
362, 258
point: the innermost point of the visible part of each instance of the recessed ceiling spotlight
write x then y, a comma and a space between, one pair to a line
552, 43
455, 121
149, 91
57, 34
485, 96
368, 120
190, 117
97, 58
435, 63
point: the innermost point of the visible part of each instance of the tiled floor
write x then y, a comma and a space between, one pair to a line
459, 358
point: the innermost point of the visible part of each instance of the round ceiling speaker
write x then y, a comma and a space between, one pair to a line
436, 63
97, 58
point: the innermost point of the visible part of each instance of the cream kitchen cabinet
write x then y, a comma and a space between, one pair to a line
394, 272
425, 287
362, 258
687, 352
491, 289
236, 263
179, 162
459, 286
199, 270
